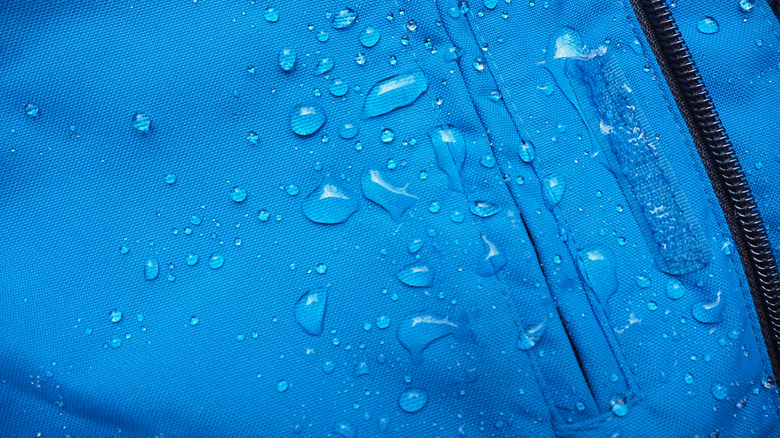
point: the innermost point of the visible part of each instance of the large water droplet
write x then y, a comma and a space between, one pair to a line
416, 332
492, 261
530, 336
711, 312
526, 151
329, 204
287, 59
599, 272
394, 92
393, 199
707, 25
324, 66
151, 269
369, 37
484, 209
450, 150
310, 310
553, 188
343, 18
416, 275
306, 119
412, 400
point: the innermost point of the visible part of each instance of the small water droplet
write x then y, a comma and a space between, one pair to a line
387, 135
194, 320
238, 194
287, 59
282, 386
707, 25
328, 367
216, 261
553, 189
338, 88
643, 281
151, 269
31, 110
170, 178
123, 249
310, 310
599, 272
115, 315
369, 37
416, 275
449, 147
307, 119
142, 122
719, 391
383, 322
271, 15
434, 207
343, 18
457, 216
746, 5
412, 400
292, 189
492, 261
674, 289
529, 337
346, 430
619, 405
324, 66
348, 131
115, 343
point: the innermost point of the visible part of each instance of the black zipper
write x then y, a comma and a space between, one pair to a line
723, 168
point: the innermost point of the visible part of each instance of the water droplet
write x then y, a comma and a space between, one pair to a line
310, 310
322, 36
282, 386
488, 161
479, 64
674, 289
346, 430
292, 189
490, 4
484, 209
387, 135
416, 275
449, 147
746, 5
383, 322
343, 18
369, 37
31, 110
711, 312
416, 332
324, 66
688, 378
142, 122
492, 261
652, 306
271, 15
123, 249
619, 405
412, 400
115, 315
338, 88
170, 179
306, 119
329, 204
457, 216
415, 245
707, 25
719, 391
321, 268
526, 151
495, 95
599, 272
115, 343
263, 215
151, 269
529, 337
434, 207
394, 92
361, 368
287, 59
328, 367
553, 189
216, 261
348, 130
643, 281
238, 194
393, 199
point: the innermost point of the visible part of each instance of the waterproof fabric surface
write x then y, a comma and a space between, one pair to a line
518, 240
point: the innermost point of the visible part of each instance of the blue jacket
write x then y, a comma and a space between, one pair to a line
538, 218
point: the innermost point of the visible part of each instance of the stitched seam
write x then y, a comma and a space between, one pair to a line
713, 203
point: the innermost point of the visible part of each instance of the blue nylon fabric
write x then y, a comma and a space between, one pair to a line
69, 198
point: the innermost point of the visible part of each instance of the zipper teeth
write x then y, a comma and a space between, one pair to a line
720, 149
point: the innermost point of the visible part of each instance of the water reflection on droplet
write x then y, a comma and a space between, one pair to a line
343, 18
394, 92
310, 310
449, 147
238, 194
709, 312
530, 336
394, 199
369, 37
492, 261
307, 119
674, 289
484, 209
329, 204
412, 400
287, 59
416, 275
216, 261
707, 25
324, 66
416, 332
